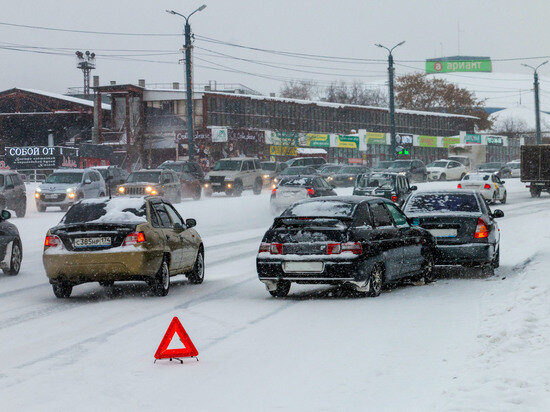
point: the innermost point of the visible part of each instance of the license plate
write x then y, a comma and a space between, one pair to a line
443, 232
303, 267
91, 242
50, 196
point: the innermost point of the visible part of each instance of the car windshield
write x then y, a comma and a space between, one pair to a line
176, 167
103, 173
64, 178
326, 208
234, 165
148, 177
438, 164
489, 166
442, 203
477, 176
377, 181
115, 210
296, 171
351, 169
330, 169
296, 181
401, 164
268, 166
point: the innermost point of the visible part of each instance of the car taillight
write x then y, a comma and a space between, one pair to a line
482, 230
394, 198
273, 248
459, 186
133, 238
52, 241
311, 191
274, 191
337, 248
487, 186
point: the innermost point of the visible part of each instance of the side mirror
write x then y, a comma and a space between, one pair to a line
5, 215
87, 181
502, 181
190, 223
178, 227
414, 187
498, 213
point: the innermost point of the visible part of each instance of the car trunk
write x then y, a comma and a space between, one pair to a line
116, 232
291, 193
450, 230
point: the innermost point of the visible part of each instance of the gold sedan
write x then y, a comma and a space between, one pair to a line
122, 239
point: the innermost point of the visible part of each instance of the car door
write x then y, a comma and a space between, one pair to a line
250, 174
187, 237
412, 246
173, 239
9, 191
387, 239
499, 185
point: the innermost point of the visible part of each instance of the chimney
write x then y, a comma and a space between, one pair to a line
112, 82
141, 82
96, 81
176, 85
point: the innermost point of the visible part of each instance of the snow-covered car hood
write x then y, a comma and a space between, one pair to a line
226, 173
57, 187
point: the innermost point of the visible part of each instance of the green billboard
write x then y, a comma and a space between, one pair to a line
449, 66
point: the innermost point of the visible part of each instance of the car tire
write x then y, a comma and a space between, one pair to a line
40, 208
161, 283
443, 177
238, 189
196, 276
503, 200
376, 281
496, 259
62, 290
494, 199
257, 189
15, 259
106, 283
462, 176
282, 289
21, 211
535, 191
428, 268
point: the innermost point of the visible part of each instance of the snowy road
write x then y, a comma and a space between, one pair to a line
463, 342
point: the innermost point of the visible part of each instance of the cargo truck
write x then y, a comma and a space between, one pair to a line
535, 168
470, 155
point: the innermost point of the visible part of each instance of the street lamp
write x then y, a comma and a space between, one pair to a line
391, 71
187, 49
537, 107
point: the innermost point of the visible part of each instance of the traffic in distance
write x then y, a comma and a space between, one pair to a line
383, 230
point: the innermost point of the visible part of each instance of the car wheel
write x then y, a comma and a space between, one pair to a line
257, 187
535, 191
15, 259
62, 290
503, 200
238, 189
282, 289
41, 208
443, 177
196, 276
496, 259
161, 283
107, 283
462, 176
376, 281
428, 268
21, 211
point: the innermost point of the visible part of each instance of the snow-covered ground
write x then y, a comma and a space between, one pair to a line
462, 343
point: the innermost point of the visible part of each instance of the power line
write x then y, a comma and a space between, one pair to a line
27, 26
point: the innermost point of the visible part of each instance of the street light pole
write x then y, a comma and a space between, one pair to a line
537, 105
187, 48
391, 71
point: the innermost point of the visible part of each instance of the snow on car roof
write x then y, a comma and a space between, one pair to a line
118, 209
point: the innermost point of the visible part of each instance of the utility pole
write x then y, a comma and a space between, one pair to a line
391, 71
537, 104
187, 50
86, 63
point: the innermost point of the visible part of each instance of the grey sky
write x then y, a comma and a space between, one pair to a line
500, 29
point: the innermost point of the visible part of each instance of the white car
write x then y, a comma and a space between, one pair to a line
292, 189
446, 170
488, 184
515, 168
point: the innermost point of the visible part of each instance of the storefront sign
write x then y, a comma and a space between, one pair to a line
404, 139
427, 141
376, 138
219, 134
472, 139
458, 66
494, 141
447, 141
283, 151
318, 140
348, 141
40, 157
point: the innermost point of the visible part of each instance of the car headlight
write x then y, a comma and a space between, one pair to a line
330, 178
266, 176
71, 189
154, 192
121, 189
275, 180
36, 195
71, 195
38, 190
206, 185
149, 189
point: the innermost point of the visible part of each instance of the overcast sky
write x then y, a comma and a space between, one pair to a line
348, 28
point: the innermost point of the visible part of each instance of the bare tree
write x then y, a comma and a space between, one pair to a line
355, 93
303, 89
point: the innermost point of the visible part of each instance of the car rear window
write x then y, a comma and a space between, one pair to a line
477, 177
325, 208
296, 181
116, 210
377, 180
442, 202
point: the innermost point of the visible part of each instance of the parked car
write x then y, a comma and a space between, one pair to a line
234, 175
315, 162
391, 186
488, 184
382, 166
446, 170
465, 229
359, 242
515, 168
328, 170
414, 169
122, 239
498, 168
292, 189
182, 167
13, 195
64, 187
346, 176
112, 175
296, 171
271, 170
163, 183
11, 247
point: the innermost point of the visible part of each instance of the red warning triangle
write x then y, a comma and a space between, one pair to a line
187, 351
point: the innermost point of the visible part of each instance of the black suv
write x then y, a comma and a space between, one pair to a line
391, 186
414, 169
12, 192
113, 176
181, 167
